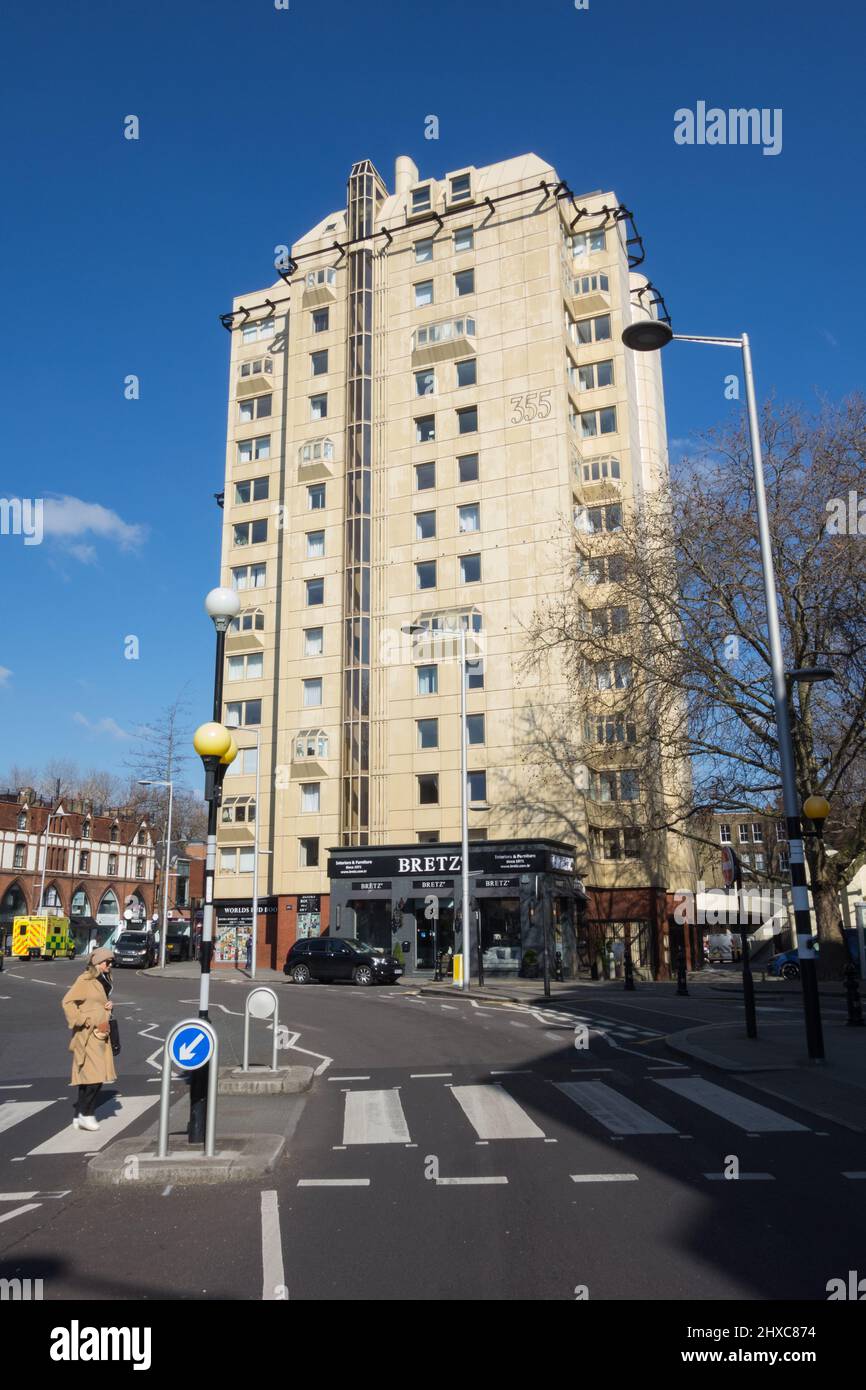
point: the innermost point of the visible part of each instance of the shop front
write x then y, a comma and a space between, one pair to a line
233, 927
522, 892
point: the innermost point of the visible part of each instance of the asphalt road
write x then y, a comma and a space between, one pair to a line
449, 1149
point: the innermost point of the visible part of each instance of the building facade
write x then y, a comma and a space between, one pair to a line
432, 421
96, 863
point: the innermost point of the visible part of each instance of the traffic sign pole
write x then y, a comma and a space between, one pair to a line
191, 1045
732, 873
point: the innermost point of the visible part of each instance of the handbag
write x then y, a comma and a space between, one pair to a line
114, 1035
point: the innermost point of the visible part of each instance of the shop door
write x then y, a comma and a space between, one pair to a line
429, 931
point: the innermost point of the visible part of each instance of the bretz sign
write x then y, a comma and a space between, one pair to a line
493, 860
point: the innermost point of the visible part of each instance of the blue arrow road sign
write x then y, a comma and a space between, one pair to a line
191, 1047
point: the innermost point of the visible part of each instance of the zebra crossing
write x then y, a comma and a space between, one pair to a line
43, 1128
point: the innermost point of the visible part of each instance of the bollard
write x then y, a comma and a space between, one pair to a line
629, 971
557, 969
852, 990
682, 982
261, 1003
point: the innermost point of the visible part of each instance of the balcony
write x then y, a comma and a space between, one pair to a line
598, 480
320, 287
589, 294
443, 341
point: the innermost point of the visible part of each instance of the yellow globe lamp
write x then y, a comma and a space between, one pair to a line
817, 808
212, 740
229, 755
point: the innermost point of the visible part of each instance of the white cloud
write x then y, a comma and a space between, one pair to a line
102, 726
68, 519
5, 673
834, 342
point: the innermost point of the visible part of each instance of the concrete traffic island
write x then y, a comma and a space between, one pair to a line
262, 1081
131, 1162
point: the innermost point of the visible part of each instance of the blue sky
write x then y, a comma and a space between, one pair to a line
119, 255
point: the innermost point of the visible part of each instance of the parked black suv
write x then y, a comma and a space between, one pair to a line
326, 958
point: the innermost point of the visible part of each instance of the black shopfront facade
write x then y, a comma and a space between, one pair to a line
518, 889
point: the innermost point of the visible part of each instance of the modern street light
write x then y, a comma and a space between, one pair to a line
52, 815
649, 335
148, 782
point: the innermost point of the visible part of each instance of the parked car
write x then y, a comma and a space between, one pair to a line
176, 944
327, 958
136, 948
786, 964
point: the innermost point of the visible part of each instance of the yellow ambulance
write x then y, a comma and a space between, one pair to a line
42, 938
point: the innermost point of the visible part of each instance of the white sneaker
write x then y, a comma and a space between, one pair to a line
87, 1122
74, 1121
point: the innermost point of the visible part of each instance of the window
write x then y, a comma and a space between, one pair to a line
475, 674
251, 620
601, 469
321, 319
582, 243
315, 545
311, 743
239, 668
744, 834
589, 284
760, 862
467, 420
113, 834
443, 332
139, 867
250, 532
310, 798
312, 692
18, 856
469, 517
254, 408
461, 188
254, 490
255, 368
428, 789
428, 837
596, 330
628, 786
609, 620
240, 712
425, 429
425, 526
308, 853
239, 810
781, 830
475, 728
423, 250
477, 786
425, 574
316, 449
757, 832
249, 577
316, 497
428, 733
425, 383
470, 569
421, 198
251, 449
467, 468
258, 332
784, 862
423, 294
228, 861
319, 407
464, 283
315, 592
244, 764
595, 422
466, 372
319, 363
725, 834
314, 641
325, 275
610, 728
595, 375
427, 680
112, 864
596, 519
85, 829
22, 820
464, 239
631, 844
425, 476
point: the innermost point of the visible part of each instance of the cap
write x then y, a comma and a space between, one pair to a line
101, 954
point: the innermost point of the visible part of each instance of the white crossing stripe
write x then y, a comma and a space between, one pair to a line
494, 1114
112, 1121
604, 1177
615, 1112
746, 1114
17, 1211
740, 1177
469, 1182
374, 1117
333, 1182
12, 1112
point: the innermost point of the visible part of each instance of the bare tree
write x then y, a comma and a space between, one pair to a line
161, 754
684, 623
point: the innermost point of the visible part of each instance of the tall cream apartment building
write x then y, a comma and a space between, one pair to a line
431, 417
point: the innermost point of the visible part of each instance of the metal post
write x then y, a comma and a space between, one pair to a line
51, 816
682, 977
212, 1068
166, 867
805, 944
860, 911
748, 982
256, 863
545, 954
464, 813
852, 991
275, 1015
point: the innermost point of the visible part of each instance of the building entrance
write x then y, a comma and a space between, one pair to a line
429, 932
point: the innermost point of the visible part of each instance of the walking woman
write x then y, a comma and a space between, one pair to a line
87, 1007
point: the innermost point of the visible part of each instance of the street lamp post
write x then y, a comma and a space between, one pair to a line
649, 335
52, 815
146, 782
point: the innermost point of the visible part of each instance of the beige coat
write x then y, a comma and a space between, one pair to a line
84, 1007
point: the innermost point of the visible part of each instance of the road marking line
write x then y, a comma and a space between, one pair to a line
24, 1086
112, 1122
419, 1075
374, 1117
514, 1023
450, 1006
615, 1112
512, 1071
12, 1112
167, 1190
469, 1182
551, 1141
17, 1196
273, 1273
494, 1114
333, 1182
740, 1177
745, 1114
603, 1177
348, 1078
592, 1068
854, 1176
323, 1065
19, 1211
